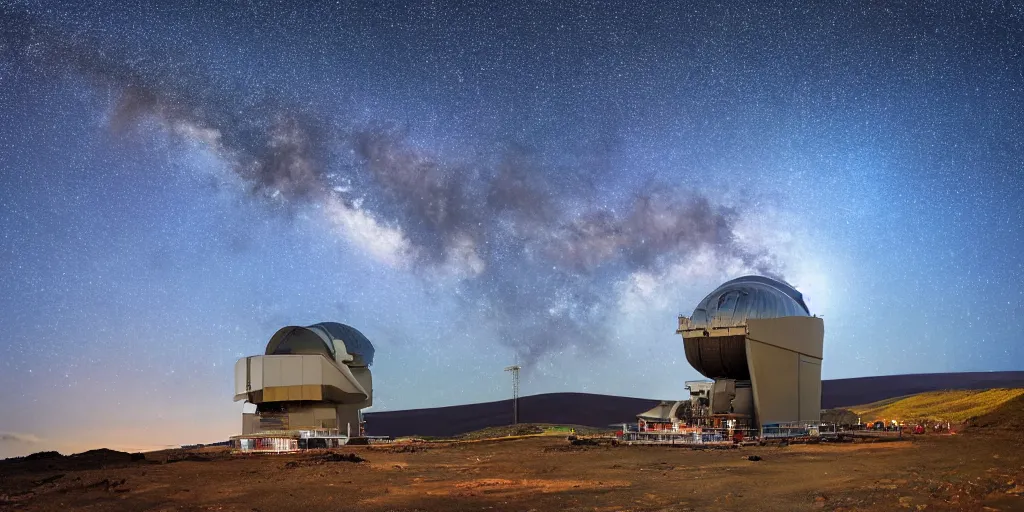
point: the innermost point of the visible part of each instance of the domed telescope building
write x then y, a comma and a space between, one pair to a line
757, 340
308, 388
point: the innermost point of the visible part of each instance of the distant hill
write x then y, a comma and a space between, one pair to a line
1008, 416
865, 390
955, 406
557, 408
602, 410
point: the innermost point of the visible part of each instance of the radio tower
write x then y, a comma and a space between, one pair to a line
515, 390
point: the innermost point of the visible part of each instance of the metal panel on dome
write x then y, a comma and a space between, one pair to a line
714, 336
298, 340
732, 303
356, 344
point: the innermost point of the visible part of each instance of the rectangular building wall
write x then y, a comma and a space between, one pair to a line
774, 374
305, 377
801, 334
810, 389
248, 375
250, 423
365, 380
348, 418
784, 355
744, 401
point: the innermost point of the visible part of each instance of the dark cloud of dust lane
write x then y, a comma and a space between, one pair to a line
546, 271
278, 151
536, 260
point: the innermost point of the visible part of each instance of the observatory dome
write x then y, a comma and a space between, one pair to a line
355, 342
732, 303
339, 342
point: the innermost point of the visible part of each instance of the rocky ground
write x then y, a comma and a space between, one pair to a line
981, 469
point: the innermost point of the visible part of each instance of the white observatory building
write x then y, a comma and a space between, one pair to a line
757, 340
308, 388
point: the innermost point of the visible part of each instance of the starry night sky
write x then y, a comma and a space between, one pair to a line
472, 184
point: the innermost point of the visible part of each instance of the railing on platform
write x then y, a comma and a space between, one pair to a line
693, 436
267, 445
320, 433
797, 429
770, 432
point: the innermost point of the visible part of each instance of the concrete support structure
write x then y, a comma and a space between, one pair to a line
784, 356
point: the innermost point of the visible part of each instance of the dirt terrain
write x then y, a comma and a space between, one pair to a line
969, 471
981, 467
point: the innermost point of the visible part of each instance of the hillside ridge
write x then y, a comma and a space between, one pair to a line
593, 410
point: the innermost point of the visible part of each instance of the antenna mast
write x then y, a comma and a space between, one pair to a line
515, 390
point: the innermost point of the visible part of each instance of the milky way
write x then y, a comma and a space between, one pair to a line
535, 266
480, 183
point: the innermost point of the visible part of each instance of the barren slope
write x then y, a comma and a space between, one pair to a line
931, 472
953, 406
